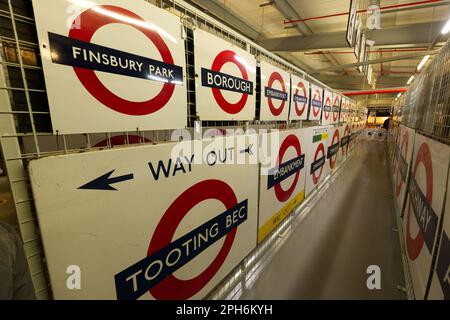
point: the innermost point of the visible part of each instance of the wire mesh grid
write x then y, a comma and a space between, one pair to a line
25, 124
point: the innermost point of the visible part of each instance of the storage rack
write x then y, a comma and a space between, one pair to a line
24, 111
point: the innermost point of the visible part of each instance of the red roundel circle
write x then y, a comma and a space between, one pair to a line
320, 149
404, 152
171, 287
335, 114
325, 112
335, 140
290, 141
275, 76
91, 22
300, 86
316, 96
220, 60
121, 140
346, 133
414, 245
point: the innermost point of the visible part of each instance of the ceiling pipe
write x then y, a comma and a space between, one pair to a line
378, 91
396, 6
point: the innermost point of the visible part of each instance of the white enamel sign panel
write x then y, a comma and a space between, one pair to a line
327, 107
440, 284
225, 79
275, 93
316, 165
406, 144
316, 103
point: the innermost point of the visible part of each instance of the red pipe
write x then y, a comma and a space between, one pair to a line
379, 91
363, 10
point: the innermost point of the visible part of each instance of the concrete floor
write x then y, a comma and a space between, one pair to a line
348, 230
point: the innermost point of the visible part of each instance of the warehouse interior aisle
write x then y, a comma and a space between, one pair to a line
349, 229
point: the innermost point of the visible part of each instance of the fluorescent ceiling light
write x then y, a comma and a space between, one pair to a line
399, 95
410, 80
422, 63
446, 28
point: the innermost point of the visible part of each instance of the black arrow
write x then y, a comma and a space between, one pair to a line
248, 150
104, 182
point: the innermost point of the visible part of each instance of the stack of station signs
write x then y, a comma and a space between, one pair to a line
419, 167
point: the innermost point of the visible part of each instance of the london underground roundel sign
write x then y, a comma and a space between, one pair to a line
171, 287
402, 164
316, 103
424, 207
92, 21
327, 107
107, 46
419, 199
219, 81
272, 93
287, 168
336, 107
275, 93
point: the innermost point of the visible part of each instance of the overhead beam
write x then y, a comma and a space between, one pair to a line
413, 34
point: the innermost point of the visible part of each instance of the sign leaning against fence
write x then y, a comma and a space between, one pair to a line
424, 206
225, 79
